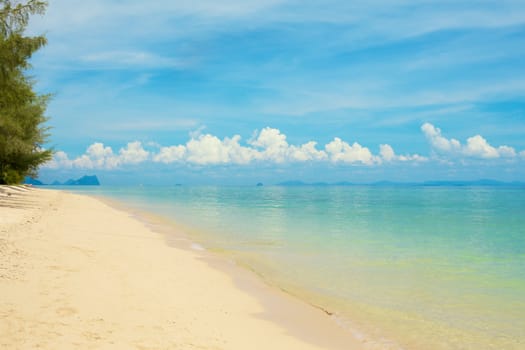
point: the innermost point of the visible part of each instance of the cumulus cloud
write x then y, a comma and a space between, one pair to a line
209, 149
340, 151
507, 152
170, 154
274, 147
306, 152
437, 141
267, 145
98, 156
387, 154
134, 153
475, 147
271, 145
60, 160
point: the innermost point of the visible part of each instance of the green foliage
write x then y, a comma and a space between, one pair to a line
22, 132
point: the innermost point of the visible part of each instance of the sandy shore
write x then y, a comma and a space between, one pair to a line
76, 273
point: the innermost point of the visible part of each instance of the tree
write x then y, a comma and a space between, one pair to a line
22, 130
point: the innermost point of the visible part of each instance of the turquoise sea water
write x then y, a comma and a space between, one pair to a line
402, 267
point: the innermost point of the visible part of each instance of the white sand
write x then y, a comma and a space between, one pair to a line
76, 273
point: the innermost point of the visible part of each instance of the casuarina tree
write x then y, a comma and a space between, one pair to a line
22, 110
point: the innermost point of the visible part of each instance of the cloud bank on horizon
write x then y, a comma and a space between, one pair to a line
270, 145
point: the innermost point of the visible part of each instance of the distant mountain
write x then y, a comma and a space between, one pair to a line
384, 183
482, 182
293, 183
83, 181
343, 183
297, 183
30, 181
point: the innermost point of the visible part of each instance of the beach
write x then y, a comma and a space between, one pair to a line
78, 273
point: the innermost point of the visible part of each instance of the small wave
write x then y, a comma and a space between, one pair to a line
197, 247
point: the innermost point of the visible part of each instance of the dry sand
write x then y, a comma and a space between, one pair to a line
76, 273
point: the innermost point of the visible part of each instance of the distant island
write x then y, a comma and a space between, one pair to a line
482, 182
83, 181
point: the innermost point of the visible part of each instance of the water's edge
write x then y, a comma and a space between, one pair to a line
246, 277
403, 254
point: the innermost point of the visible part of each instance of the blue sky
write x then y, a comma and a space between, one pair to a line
237, 92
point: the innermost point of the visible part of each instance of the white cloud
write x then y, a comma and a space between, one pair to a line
387, 154
340, 151
506, 151
476, 146
271, 145
275, 148
411, 158
438, 142
170, 154
209, 149
206, 149
98, 156
60, 160
239, 154
306, 152
267, 145
134, 153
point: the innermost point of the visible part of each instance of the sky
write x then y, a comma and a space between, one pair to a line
240, 92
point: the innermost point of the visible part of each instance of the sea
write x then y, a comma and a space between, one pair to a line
400, 266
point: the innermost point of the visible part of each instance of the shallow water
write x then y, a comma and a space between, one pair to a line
403, 267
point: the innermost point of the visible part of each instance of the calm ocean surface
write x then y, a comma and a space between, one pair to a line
402, 267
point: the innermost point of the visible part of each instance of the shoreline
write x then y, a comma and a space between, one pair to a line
230, 304
245, 277
184, 236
